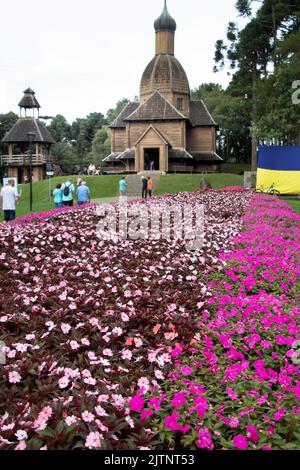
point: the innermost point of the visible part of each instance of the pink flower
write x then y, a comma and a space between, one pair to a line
87, 417
21, 446
232, 394
186, 370
100, 411
146, 413
14, 377
63, 382
143, 383
155, 402
70, 420
171, 422
240, 442
178, 400
65, 328
204, 439
93, 440
126, 354
136, 403
234, 423
279, 414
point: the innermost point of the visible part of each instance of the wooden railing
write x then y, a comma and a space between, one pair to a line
22, 160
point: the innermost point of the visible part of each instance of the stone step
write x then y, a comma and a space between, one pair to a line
134, 182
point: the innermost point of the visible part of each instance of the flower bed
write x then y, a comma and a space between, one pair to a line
43, 216
100, 335
237, 384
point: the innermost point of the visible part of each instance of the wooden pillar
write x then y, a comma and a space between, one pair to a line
137, 159
128, 145
10, 151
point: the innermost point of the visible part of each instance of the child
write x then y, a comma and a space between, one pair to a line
58, 196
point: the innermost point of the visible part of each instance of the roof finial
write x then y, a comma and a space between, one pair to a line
165, 21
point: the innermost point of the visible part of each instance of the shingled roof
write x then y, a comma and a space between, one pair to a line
19, 131
156, 108
206, 157
29, 101
175, 154
199, 115
129, 108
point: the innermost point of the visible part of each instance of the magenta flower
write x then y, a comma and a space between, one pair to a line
136, 403
252, 433
240, 442
179, 400
204, 439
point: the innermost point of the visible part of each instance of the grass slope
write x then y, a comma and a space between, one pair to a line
106, 187
174, 183
295, 205
100, 186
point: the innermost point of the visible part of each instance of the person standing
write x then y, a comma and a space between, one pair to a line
58, 196
150, 186
144, 187
83, 194
68, 190
122, 187
9, 197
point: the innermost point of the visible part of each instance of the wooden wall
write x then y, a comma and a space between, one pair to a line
118, 140
201, 139
172, 131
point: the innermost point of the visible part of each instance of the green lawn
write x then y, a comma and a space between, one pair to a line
295, 205
170, 184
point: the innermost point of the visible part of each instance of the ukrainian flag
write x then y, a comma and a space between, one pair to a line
279, 167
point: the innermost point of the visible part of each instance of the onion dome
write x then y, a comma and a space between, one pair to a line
165, 22
165, 74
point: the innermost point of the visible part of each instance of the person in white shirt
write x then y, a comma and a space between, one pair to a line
9, 196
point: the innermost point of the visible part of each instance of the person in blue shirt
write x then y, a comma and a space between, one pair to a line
68, 190
122, 187
58, 196
83, 194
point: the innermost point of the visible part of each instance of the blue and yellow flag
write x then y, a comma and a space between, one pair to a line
279, 167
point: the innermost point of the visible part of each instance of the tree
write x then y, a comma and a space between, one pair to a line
6, 122
65, 157
60, 129
100, 146
114, 112
255, 55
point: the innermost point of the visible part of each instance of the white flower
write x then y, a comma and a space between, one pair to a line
70, 420
21, 435
63, 382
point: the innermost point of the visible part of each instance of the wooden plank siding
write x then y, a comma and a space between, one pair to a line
201, 139
118, 140
171, 130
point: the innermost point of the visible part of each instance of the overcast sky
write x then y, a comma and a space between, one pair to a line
81, 56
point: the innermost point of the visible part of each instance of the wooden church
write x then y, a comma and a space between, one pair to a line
165, 131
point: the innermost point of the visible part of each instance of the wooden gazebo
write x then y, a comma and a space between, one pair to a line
15, 158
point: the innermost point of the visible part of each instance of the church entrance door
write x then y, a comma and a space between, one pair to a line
151, 159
